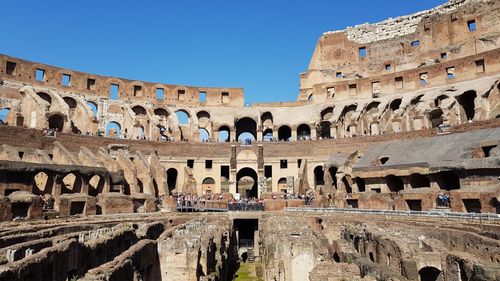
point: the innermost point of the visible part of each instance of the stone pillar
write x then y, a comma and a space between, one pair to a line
313, 133
333, 131
374, 129
259, 135
294, 134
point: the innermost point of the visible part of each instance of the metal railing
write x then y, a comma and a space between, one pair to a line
436, 214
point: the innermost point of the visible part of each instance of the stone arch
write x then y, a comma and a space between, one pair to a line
466, 100
183, 117
208, 185
418, 180
416, 100
284, 133
394, 183
223, 133
71, 183
56, 121
326, 113
43, 183
436, 117
71, 102
44, 96
347, 109
323, 129
395, 104
267, 120
160, 111
204, 134
282, 184
267, 135
244, 173
4, 114
139, 110
372, 105
303, 131
113, 128
247, 126
430, 273
96, 185
439, 100
203, 119
319, 176
93, 107
245, 155
172, 179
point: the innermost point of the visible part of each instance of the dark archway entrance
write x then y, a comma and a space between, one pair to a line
244, 185
303, 132
323, 129
56, 122
466, 100
319, 178
246, 125
284, 133
430, 273
171, 179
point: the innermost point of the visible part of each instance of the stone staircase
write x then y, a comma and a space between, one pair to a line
251, 255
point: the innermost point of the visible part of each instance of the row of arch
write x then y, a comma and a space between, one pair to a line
247, 126
446, 180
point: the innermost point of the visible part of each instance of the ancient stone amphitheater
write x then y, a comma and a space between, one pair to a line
387, 167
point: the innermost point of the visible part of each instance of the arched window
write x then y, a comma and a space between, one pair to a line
429, 273
71, 102
183, 117
223, 134
246, 182
394, 105
372, 105
327, 113
303, 132
323, 129
171, 179
204, 135
46, 97
113, 129
319, 178
284, 133
139, 110
268, 135
246, 128
56, 122
161, 112
93, 107
4, 113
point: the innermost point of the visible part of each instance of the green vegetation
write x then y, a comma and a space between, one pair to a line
248, 272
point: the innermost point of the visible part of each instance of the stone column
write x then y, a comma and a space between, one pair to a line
294, 134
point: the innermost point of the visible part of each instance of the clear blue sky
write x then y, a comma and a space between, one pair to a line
260, 45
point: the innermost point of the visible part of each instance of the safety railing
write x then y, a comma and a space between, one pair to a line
437, 214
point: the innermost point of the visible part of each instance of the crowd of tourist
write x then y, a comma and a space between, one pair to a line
246, 204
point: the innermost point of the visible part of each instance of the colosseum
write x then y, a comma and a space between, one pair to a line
386, 167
